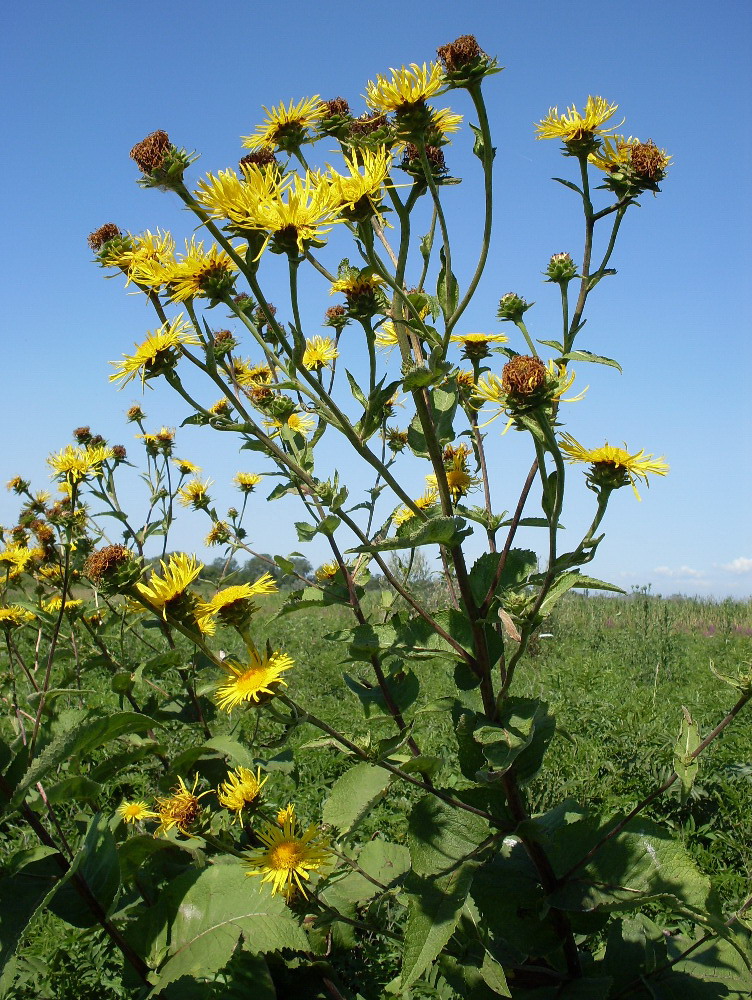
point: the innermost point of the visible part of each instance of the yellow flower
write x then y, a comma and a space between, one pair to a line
429, 499
234, 605
319, 352
301, 423
288, 857
302, 213
459, 479
475, 345
242, 788
201, 273
157, 354
53, 606
178, 573
286, 126
357, 284
16, 559
573, 126
386, 336
252, 681
406, 87
134, 812
75, 464
367, 174
142, 257
286, 815
614, 467
180, 809
187, 468
14, 617
240, 200
327, 572
645, 161
194, 494
246, 482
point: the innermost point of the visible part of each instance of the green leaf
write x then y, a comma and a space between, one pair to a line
81, 740
685, 765
635, 946
641, 863
437, 530
440, 836
444, 406
434, 906
23, 895
383, 861
204, 915
479, 144
568, 184
447, 291
72, 789
404, 688
520, 738
134, 851
589, 356
519, 565
97, 863
715, 965
555, 344
493, 976
353, 794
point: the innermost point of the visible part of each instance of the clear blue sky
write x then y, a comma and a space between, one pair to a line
83, 81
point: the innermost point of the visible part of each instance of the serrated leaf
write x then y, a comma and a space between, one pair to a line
353, 794
589, 356
97, 863
440, 837
438, 530
447, 290
209, 913
24, 895
519, 565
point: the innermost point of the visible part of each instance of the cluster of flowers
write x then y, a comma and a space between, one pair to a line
287, 851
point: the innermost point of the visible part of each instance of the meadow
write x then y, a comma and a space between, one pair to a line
614, 671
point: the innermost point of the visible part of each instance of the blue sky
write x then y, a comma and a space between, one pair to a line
82, 82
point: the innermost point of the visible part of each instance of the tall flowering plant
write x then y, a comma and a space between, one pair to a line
225, 881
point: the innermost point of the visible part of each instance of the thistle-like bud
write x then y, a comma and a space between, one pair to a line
161, 163
561, 269
465, 63
224, 342
512, 307
97, 239
113, 569
119, 453
82, 435
135, 414
336, 317
413, 165
336, 118
396, 439
523, 378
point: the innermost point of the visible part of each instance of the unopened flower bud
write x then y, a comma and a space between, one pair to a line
561, 268
113, 569
512, 307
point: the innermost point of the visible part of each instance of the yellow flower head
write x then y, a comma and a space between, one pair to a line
286, 815
234, 605
157, 354
134, 812
406, 87
240, 200
242, 788
429, 499
14, 617
300, 423
288, 856
613, 467
386, 336
76, 464
246, 482
318, 353
327, 572
255, 681
364, 182
194, 494
356, 285
53, 606
178, 573
475, 345
286, 127
15, 558
459, 479
210, 274
180, 809
187, 468
575, 127
304, 212
141, 257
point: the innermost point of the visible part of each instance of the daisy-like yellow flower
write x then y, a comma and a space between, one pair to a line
327, 572
386, 336
246, 482
180, 809
286, 126
76, 464
242, 788
429, 499
178, 573
234, 605
475, 345
240, 200
198, 272
134, 812
459, 479
17, 485
157, 354
53, 606
14, 617
142, 257
288, 856
573, 126
406, 87
320, 351
194, 494
186, 468
301, 423
15, 559
286, 815
302, 213
356, 285
613, 467
364, 182
255, 681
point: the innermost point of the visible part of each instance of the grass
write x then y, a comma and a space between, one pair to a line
614, 671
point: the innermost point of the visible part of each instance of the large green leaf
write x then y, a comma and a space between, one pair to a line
97, 863
201, 918
443, 405
383, 861
83, 739
353, 794
519, 564
403, 686
437, 530
440, 836
24, 894
434, 906
713, 970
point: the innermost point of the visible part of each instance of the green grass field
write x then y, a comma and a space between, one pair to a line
616, 673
